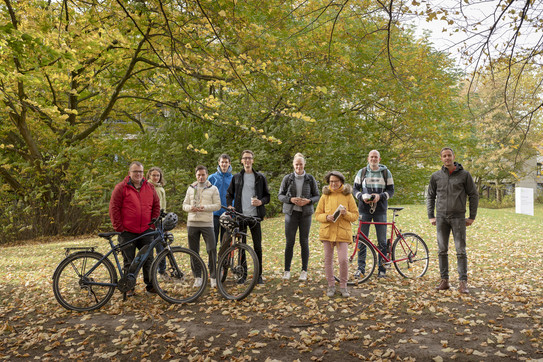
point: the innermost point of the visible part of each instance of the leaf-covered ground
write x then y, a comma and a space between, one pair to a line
384, 319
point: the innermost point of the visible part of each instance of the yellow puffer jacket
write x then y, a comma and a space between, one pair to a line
340, 231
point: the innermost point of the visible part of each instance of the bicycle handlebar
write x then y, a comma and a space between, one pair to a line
160, 216
240, 215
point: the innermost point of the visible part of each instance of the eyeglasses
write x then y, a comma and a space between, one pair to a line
246, 158
136, 171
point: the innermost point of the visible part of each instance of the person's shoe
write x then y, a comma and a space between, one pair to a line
197, 282
331, 291
303, 276
286, 275
443, 284
463, 287
382, 274
213, 282
359, 274
344, 292
241, 281
260, 280
130, 293
150, 290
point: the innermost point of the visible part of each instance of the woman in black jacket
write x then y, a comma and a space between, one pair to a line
298, 193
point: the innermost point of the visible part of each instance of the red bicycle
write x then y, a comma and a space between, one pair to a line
408, 252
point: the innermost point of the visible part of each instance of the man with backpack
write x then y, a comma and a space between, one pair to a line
373, 186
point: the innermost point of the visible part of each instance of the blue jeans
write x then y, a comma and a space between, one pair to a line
381, 231
458, 228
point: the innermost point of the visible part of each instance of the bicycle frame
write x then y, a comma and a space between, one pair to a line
119, 247
394, 233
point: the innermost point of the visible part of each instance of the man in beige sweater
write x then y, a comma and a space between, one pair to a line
201, 200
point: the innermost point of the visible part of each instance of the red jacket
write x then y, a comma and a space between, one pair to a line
131, 210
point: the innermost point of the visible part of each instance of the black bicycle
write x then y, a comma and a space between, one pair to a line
238, 268
86, 280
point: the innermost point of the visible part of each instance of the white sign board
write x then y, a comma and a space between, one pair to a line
524, 201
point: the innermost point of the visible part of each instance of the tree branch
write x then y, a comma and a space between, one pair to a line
105, 113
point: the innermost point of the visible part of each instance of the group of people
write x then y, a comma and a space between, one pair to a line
136, 200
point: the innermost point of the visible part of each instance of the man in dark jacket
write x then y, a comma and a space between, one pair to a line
249, 193
134, 202
447, 193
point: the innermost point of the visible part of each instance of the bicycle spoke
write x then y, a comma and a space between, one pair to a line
78, 289
410, 254
238, 272
185, 278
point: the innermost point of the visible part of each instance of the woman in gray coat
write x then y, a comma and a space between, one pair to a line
298, 193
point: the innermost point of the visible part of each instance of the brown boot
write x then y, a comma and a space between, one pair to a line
463, 287
443, 285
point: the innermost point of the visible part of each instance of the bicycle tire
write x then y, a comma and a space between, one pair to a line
178, 284
243, 273
410, 255
371, 262
70, 282
225, 244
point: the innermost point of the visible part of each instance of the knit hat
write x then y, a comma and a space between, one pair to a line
334, 173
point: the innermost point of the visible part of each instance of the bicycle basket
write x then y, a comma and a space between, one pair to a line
169, 221
228, 222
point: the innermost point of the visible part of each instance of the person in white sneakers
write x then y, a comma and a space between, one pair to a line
201, 200
298, 193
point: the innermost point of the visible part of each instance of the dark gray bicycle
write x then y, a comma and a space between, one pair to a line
86, 279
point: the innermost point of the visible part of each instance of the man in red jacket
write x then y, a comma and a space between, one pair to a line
134, 202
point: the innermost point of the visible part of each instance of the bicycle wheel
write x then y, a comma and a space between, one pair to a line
225, 244
83, 283
239, 268
410, 255
369, 257
178, 284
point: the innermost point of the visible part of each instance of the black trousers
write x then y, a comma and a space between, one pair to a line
129, 253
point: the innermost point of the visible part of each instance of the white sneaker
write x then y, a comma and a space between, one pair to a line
286, 275
331, 291
213, 282
344, 292
197, 282
303, 276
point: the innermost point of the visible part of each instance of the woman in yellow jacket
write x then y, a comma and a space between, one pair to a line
336, 234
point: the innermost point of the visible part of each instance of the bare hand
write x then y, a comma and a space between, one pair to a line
303, 202
342, 211
376, 197
469, 222
256, 202
329, 218
433, 221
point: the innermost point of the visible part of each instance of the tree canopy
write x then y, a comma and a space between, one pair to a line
86, 87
